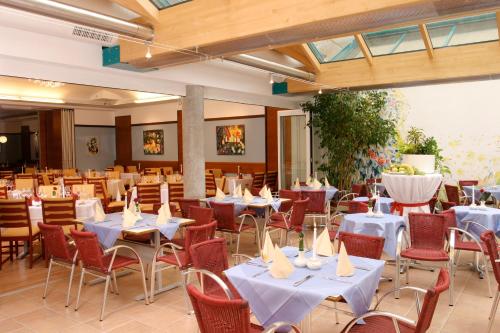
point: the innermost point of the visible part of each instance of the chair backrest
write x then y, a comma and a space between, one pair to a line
360, 245
59, 211
432, 204
167, 171
70, 181
50, 191
288, 194
447, 205
89, 250
430, 301
24, 176
131, 168
112, 174
84, 191
55, 241
30, 170
299, 209
360, 189
150, 179
198, 234
450, 221
24, 183
210, 186
185, 203
9, 174
99, 186
119, 168
463, 183
258, 179
427, 231
357, 207
488, 238
210, 255
201, 215
452, 193
14, 214
149, 193
175, 191
3, 192
217, 315
272, 180
45, 178
71, 172
224, 214
316, 201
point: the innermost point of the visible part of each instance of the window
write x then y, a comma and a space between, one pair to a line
336, 49
162, 4
392, 41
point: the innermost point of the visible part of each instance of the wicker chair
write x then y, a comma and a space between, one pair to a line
357, 207
360, 189
489, 240
60, 212
291, 220
317, 204
453, 195
185, 203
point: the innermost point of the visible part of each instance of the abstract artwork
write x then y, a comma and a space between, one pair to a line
230, 140
92, 145
153, 142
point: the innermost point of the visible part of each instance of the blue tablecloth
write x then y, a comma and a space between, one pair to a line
494, 190
274, 300
385, 203
330, 191
109, 230
489, 218
240, 205
387, 227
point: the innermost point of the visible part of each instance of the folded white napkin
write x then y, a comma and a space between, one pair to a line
324, 246
327, 183
297, 183
129, 219
247, 197
309, 181
118, 195
267, 253
237, 192
269, 196
164, 214
219, 195
263, 192
344, 266
316, 184
99, 216
132, 182
281, 268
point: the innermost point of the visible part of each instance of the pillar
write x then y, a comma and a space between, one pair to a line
193, 154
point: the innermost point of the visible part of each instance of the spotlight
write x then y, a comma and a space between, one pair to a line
271, 80
148, 53
320, 91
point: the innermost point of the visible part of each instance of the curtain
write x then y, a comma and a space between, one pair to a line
68, 138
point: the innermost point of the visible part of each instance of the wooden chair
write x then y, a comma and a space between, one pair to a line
272, 180
150, 179
24, 176
131, 169
84, 191
3, 192
70, 181
15, 226
45, 178
30, 170
71, 172
167, 171
258, 180
25, 183
60, 212
148, 195
99, 185
119, 168
111, 206
6, 174
210, 186
50, 191
175, 192
112, 174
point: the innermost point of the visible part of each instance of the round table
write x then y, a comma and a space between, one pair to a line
494, 190
385, 203
411, 193
386, 226
487, 217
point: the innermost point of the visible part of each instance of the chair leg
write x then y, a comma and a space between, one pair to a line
143, 280
152, 278
82, 275
115, 284
70, 283
407, 271
237, 243
186, 296
336, 313
493, 312
105, 297
47, 280
452, 281
30, 245
396, 280
485, 263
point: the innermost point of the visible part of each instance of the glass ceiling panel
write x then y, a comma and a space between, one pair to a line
162, 4
392, 41
464, 30
336, 49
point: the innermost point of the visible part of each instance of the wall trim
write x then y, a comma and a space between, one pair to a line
102, 126
155, 123
237, 117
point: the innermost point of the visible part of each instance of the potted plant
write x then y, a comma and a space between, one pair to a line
421, 152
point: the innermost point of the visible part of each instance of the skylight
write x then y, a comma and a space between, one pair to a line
336, 49
162, 4
392, 41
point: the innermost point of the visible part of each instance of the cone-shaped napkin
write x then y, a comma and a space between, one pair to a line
238, 193
164, 215
327, 183
132, 207
129, 219
219, 195
269, 196
309, 181
132, 182
268, 249
344, 266
281, 268
118, 195
297, 184
99, 215
247, 197
316, 184
324, 246
263, 192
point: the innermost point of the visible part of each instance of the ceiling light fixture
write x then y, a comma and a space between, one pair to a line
48, 84
42, 100
271, 80
156, 99
148, 53
3, 139
9, 97
320, 91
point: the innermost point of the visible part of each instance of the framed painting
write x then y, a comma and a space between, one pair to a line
230, 140
153, 142
92, 145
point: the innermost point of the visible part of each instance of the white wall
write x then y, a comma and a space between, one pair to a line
104, 117
150, 113
170, 142
107, 147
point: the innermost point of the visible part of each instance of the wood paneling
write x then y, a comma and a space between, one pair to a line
272, 138
50, 139
123, 135
232, 167
150, 164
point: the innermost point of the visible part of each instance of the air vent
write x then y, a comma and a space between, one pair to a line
95, 35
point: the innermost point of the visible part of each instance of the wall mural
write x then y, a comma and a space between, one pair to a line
230, 140
153, 142
92, 145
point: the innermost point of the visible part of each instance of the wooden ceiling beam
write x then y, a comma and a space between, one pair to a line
427, 40
364, 48
143, 8
301, 54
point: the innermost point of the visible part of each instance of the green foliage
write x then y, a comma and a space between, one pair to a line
348, 123
419, 144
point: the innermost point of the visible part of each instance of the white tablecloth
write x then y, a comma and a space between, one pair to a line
231, 182
127, 176
85, 209
411, 189
113, 185
163, 193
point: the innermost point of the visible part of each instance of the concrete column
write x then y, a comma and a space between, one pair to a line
192, 142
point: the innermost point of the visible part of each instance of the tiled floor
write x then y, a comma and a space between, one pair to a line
22, 308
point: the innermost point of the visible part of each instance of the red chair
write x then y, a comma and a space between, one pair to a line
357, 207
201, 215
226, 222
184, 205
258, 180
317, 204
103, 264
383, 322
343, 203
427, 234
488, 239
180, 256
285, 205
290, 221
60, 252
463, 183
362, 245
453, 194
217, 315
447, 205
360, 189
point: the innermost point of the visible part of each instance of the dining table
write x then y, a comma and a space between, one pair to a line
114, 185
387, 226
385, 203
488, 217
478, 190
293, 299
